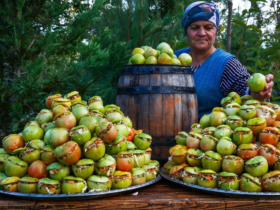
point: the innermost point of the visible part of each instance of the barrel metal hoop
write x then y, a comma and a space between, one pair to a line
154, 90
156, 69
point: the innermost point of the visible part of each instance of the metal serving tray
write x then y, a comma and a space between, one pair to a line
228, 193
80, 196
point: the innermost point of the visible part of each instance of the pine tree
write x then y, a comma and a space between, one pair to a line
42, 53
59, 46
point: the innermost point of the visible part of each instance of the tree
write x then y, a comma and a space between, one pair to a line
257, 47
229, 25
60, 46
42, 53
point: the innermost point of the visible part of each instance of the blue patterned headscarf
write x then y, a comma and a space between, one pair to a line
201, 10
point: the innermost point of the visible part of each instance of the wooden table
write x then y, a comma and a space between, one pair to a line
162, 195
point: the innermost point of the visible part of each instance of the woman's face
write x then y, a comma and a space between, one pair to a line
201, 35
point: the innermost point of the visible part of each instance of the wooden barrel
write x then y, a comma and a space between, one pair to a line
161, 100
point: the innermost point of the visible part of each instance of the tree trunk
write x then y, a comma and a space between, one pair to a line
229, 25
277, 14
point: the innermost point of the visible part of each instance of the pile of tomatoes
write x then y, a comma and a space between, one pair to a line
236, 147
74, 146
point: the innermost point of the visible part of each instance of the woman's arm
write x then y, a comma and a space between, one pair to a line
234, 78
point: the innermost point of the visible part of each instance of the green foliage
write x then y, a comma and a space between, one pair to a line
257, 49
43, 54
54, 46
51, 47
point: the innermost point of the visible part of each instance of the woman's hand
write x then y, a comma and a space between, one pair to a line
266, 93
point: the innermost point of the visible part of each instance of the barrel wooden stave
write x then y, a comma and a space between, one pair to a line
160, 115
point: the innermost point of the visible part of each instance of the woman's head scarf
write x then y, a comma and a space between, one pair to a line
201, 10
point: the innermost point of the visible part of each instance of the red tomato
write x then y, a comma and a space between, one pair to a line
125, 164
38, 169
130, 134
276, 123
247, 154
271, 156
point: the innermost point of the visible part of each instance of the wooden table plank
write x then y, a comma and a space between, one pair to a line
162, 195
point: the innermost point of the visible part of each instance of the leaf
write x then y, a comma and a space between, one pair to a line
180, 31
265, 72
257, 0
273, 49
254, 28
239, 23
253, 10
277, 102
244, 12
240, 42
252, 59
254, 49
276, 80
259, 51
259, 65
278, 26
250, 69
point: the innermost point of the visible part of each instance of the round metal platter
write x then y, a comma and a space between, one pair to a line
216, 191
80, 196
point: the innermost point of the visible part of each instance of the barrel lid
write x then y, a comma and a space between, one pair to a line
156, 69
155, 90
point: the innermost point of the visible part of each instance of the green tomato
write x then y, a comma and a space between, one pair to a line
222, 131
190, 175
225, 146
233, 164
139, 176
228, 181
242, 135
32, 132
72, 185
137, 59
208, 143
28, 185
256, 166
270, 183
167, 166
94, 149
10, 183
257, 82
207, 178
80, 134
15, 167
205, 121
121, 179
249, 183
194, 157
84, 168
58, 171
142, 141
98, 183
212, 160
185, 59
48, 186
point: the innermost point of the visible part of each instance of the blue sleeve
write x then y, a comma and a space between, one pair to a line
234, 78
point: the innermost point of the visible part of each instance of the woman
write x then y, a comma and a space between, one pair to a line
216, 72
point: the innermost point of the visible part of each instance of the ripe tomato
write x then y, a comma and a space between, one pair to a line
125, 164
130, 134
276, 123
38, 169
271, 156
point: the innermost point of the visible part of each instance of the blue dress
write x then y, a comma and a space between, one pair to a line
207, 80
